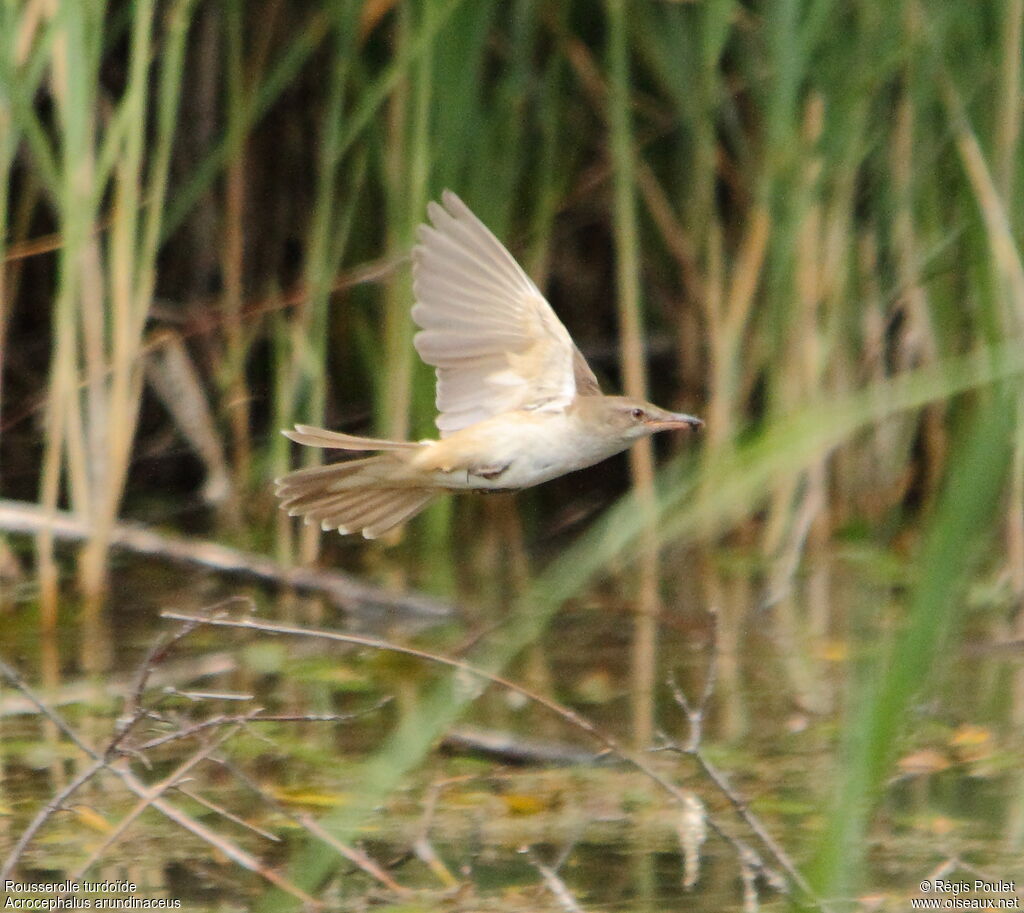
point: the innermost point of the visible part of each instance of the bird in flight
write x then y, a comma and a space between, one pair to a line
518, 405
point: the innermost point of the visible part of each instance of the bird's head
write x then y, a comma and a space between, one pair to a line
633, 419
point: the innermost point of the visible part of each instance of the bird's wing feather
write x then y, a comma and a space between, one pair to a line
586, 382
495, 342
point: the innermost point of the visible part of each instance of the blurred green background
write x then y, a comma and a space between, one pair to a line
799, 219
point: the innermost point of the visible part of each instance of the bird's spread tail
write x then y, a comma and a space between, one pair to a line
335, 440
353, 496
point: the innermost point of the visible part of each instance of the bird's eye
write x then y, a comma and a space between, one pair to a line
638, 414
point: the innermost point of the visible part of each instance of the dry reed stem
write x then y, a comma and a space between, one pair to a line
49, 491
395, 402
1001, 239
728, 307
174, 378
1007, 150
103, 296
917, 344
675, 236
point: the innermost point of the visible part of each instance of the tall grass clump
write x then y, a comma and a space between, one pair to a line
805, 226
96, 164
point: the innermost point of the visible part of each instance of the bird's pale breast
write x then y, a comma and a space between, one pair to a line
515, 450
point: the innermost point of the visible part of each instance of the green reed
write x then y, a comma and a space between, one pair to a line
632, 357
120, 155
304, 396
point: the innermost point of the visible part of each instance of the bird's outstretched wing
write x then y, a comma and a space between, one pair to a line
495, 342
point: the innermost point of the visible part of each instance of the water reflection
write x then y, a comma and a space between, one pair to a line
774, 726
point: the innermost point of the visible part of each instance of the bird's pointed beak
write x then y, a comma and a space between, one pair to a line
670, 421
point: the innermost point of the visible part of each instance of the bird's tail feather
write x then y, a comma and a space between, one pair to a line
388, 510
336, 440
311, 474
353, 496
371, 511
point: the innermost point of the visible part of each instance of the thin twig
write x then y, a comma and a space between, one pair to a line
225, 846
360, 859
422, 845
227, 719
152, 794
199, 696
14, 679
228, 848
224, 813
565, 713
376, 643
355, 856
44, 815
134, 710
750, 867
553, 882
695, 715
